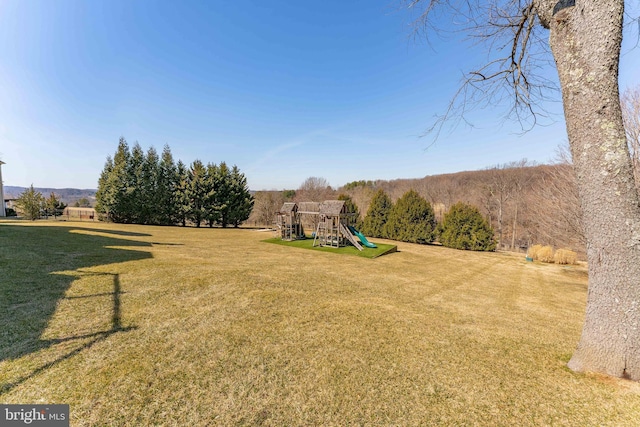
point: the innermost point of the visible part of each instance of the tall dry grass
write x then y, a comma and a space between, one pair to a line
547, 254
565, 257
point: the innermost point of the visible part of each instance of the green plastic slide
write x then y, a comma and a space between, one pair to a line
362, 238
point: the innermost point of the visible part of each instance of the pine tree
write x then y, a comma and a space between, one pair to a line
30, 202
197, 192
148, 188
135, 211
112, 186
181, 199
376, 219
241, 201
223, 194
53, 205
212, 209
412, 219
464, 227
166, 187
104, 194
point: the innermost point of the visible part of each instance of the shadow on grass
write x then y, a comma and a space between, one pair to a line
30, 291
116, 232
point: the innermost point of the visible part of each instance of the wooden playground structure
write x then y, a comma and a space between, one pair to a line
288, 222
332, 221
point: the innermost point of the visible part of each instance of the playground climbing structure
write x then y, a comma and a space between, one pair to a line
330, 219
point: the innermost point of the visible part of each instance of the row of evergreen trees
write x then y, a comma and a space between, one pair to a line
140, 188
411, 219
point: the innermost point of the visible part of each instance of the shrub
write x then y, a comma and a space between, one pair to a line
546, 254
411, 219
533, 251
464, 227
541, 253
565, 256
377, 215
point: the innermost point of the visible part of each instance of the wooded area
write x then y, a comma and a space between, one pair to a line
525, 204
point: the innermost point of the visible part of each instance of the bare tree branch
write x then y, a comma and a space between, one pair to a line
515, 79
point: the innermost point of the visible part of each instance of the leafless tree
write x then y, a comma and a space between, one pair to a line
265, 206
556, 213
314, 189
584, 38
630, 101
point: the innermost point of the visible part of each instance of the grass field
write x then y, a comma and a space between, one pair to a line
136, 326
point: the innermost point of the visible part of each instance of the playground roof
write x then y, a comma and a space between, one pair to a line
288, 207
308, 207
332, 207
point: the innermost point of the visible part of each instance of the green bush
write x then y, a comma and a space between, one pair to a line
464, 227
377, 215
411, 220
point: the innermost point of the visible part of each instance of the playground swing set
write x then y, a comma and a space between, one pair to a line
331, 219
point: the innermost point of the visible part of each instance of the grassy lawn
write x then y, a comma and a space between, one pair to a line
135, 326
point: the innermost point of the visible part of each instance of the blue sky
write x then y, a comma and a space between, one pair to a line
285, 90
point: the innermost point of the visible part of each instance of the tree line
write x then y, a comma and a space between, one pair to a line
33, 205
146, 188
412, 219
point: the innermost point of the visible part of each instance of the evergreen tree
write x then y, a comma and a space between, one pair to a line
111, 196
223, 194
197, 193
148, 186
104, 194
212, 209
353, 208
464, 227
166, 187
181, 199
376, 219
135, 210
53, 205
241, 202
411, 219
30, 202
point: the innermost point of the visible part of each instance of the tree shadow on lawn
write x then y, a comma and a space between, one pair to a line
32, 284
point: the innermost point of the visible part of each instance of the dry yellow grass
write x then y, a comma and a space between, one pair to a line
533, 251
565, 256
137, 326
541, 253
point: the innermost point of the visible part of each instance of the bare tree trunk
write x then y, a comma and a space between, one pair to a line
515, 222
585, 40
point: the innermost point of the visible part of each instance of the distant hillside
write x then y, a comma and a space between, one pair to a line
525, 204
68, 195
